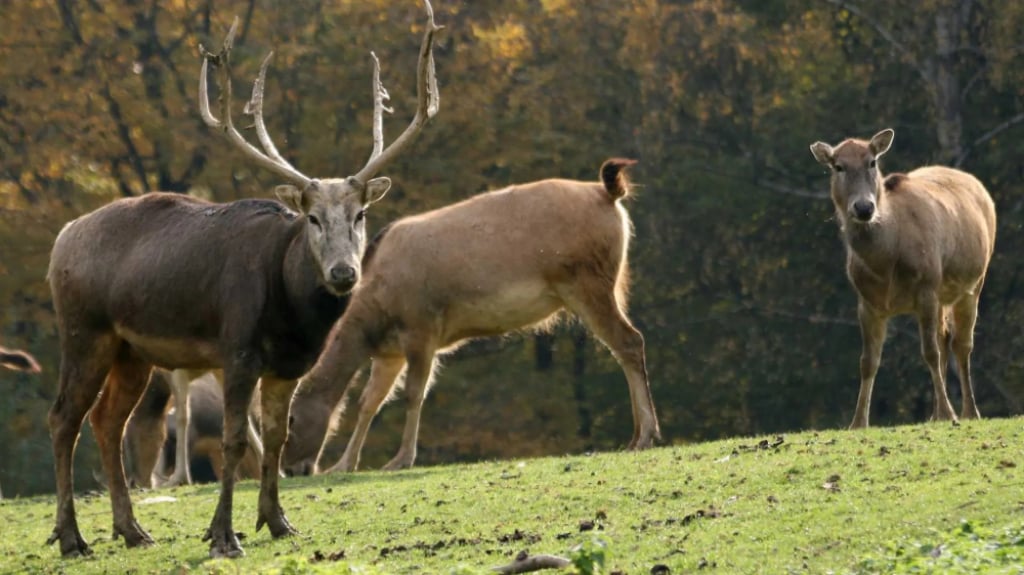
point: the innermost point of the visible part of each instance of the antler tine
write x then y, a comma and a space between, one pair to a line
380, 95
428, 98
222, 59
254, 108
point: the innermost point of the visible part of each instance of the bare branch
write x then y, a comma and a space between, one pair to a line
988, 136
781, 189
886, 34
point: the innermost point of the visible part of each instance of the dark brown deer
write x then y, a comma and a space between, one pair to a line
18, 360
496, 262
916, 243
249, 287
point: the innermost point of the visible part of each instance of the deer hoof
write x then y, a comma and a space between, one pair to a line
277, 523
223, 543
71, 543
398, 463
134, 535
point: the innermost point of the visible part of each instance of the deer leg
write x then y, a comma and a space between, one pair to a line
82, 373
383, 374
181, 379
600, 311
240, 377
125, 384
929, 317
275, 401
255, 442
417, 382
872, 333
965, 314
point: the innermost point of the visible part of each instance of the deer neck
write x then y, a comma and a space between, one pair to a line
872, 244
315, 308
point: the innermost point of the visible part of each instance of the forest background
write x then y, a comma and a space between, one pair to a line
737, 268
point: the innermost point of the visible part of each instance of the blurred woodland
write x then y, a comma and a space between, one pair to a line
737, 268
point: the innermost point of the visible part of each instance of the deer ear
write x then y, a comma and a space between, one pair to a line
823, 153
291, 197
375, 190
881, 141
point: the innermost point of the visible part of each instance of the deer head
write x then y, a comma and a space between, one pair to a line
334, 208
857, 182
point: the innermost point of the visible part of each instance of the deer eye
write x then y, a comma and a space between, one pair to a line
314, 221
837, 168
872, 163
360, 216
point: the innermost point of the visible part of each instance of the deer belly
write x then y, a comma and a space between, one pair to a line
509, 308
171, 353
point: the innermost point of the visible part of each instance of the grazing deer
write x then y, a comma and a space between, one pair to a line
494, 263
181, 381
149, 432
916, 243
18, 360
249, 287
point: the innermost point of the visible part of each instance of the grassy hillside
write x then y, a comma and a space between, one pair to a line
882, 500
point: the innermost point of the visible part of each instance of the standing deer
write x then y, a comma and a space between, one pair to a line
916, 243
249, 287
496, 262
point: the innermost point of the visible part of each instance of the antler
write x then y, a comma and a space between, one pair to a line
272, 160
428, 104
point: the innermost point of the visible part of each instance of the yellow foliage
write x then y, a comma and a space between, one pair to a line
506, 41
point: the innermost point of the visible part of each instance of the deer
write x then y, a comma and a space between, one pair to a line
149, 432
251, 287
18, 360
497, 262
181, 381
917, 243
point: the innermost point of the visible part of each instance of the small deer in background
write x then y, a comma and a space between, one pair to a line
250, 287
181, 382
150, 433
916, 243
17, 360
494, 263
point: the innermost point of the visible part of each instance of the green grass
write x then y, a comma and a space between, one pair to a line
929, 498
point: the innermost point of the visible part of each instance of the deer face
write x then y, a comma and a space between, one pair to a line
335, 214
857, 182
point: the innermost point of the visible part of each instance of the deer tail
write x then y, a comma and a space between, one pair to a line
613, 175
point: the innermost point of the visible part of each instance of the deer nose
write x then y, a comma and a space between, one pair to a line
343, 276
863, 210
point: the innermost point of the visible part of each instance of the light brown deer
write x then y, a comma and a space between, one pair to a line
916, 243
496, 262
249, 287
